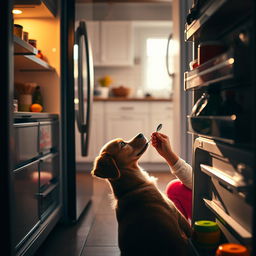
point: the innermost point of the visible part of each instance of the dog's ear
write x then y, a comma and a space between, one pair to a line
105, 167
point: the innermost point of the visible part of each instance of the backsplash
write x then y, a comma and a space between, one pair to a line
126, 76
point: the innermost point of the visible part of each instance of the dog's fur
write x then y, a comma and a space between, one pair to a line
148, 222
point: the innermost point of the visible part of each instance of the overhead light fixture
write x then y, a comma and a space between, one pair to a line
16, 11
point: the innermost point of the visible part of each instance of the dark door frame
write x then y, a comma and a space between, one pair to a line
6, 130
67, 108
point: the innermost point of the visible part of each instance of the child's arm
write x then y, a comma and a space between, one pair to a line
179, 167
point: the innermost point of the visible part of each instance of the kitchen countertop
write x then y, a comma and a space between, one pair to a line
146, 99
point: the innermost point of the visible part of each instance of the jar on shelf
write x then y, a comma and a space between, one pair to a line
17, 30
231, 249
33, 42
206, 234
25, 36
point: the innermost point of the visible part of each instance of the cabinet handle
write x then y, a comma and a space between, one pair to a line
126, 117
127, 108
47, 191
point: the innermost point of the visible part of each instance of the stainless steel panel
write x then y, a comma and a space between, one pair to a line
49, 170
26, 180
48, 136
25, 151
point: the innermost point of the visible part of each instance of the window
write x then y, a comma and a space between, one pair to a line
157, 80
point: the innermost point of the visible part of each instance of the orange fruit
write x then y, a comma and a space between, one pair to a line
36, 107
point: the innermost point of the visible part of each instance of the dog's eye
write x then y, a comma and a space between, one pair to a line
122, 144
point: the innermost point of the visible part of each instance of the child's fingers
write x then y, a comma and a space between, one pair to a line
162, 135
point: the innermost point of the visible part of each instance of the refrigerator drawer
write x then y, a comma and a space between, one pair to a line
26, 217
48, 200
26, 142
49, 170
48, 136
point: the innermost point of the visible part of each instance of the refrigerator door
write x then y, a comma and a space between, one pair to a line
83, 98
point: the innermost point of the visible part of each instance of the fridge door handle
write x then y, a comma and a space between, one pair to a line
171, 74
80, 112
84, 124
90, 89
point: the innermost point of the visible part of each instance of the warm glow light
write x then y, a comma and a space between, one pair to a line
75, 52
76, 100
231, 61
16, 11
233, 117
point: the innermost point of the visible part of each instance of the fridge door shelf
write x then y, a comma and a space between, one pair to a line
215, 70
212, 14
233, 226
229, 129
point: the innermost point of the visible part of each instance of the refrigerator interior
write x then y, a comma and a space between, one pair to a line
222, 121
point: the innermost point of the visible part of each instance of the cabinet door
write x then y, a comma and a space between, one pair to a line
93, 30
161, 113
126, 126
96, 136
116, 43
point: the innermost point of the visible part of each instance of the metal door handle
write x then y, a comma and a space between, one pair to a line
171, 74
47, 191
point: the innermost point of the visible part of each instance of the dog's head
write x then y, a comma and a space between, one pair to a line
118, 154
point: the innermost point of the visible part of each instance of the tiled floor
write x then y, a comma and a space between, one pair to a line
96, 232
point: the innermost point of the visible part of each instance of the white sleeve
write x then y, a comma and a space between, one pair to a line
183, 171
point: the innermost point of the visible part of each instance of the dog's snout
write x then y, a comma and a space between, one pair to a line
140, 136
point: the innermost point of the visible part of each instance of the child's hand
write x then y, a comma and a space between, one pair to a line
162, 144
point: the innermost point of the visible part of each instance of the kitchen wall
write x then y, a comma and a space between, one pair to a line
125, 11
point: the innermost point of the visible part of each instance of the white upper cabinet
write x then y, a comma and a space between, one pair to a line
93, 30
116, 43
112, 42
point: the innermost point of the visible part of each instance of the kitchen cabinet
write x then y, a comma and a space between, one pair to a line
93, 30
112, 42
125, 120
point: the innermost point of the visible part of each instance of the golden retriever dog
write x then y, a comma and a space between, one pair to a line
148, 222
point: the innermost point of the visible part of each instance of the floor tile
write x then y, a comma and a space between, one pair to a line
103, 231
101, 251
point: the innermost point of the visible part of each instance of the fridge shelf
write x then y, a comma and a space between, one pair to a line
215, 70
233, 226
31, 63
23, 48
229, 129
217, 15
